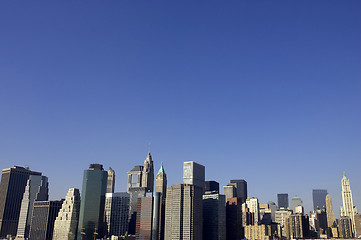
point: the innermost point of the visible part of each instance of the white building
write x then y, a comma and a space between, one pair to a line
116, 213
348, 209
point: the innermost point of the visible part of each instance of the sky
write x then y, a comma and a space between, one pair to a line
266, 91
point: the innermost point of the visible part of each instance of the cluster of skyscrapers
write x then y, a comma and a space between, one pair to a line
150, 210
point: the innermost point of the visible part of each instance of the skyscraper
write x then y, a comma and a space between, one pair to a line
148, 174
160, 187
66, 223
230, 191
241, 188
214, 217
36, 190
297, 226
348, 209
319, 198
92, 202
331, 219
212, 186
184, 212
194, 173
296, 202
111, 181
144, 217
282, 200
135, 177
116, 213
253, 205
234, 219
161, 181
12, 188
42, 221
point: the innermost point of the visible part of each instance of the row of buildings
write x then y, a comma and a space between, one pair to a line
150, 210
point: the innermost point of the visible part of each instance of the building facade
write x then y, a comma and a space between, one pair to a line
116, 213
91, 216
296, 202
194, 174
241, 188
12, 188
319, 198
214, 217
66, 223
282, 200
148, 174
348, 209
111, 181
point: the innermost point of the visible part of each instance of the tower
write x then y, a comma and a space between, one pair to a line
319, 198
194, 173
92, 202
116, 213
66, 223
214, 216
282, 200
161, 181
148, 174
331, 219
296, 202
12, 188
241, 188
36, 190
348, 209
111, 181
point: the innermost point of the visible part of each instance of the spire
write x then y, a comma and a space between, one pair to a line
344, 175
161, 169
149, 157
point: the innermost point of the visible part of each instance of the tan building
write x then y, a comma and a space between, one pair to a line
331, 219
297, 226
111, 181
66, 223
261, 232
148, 174
348, 209
144, 218
184, 212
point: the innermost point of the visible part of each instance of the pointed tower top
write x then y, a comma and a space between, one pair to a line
149, 157
344, 175
161, 169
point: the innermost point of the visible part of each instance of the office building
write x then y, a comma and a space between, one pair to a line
111, 181
212, 187
331, 219
280, 218
319, 198
12, 188
66, 223
194, 173
184, 212
234, 219
135, 193
91, 216
261, 232
36, 190
144, 217
241, 188
345, 227
135, 177
348, 209
214, 217
282, 200
148, 174
229, 191
161, 181
116, 213
42, 221
297, 226
253, 206
161, 188
296, 202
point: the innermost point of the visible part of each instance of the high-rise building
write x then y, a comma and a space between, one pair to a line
229, 191
42, 221
148, 174
348, 209
281, 216
261, 232
12, 188
111, 181
234, 219
319, 198
66, 223
116, 213
184, 212
92, 203
282, 200
214, 217
296, 202
161, 188
253, 205
212, 187
144, 218
135, 177
135, 193
345, 227
161, 181
331, 219
241, 188
194, 173
358, 225
36, 190
297, 226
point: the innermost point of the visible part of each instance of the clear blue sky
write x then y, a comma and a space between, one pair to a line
267, 91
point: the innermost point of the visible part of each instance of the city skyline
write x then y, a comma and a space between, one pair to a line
263, 91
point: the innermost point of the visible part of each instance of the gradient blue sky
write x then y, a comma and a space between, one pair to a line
267, 91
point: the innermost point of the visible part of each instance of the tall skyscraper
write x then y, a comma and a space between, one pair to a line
214, 217
144, 217
297, 226
282, 200
296, 202
345, 227
36, 190
92, 202
212, 187
148, 174
234, 219
42, 221
241, 188
184, 212
230, 191
253, 205
116, 213
348, 209
161, 181
66, 223
331, 219
12, 188
135, 177
111, 181
319, 198
194, 173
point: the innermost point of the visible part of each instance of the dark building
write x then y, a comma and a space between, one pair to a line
282, 200
234, 219
212, 186
91, 215
12, 188
144, 218
241, 188
345, 227
214, 217
135, 193
319, 198
42, 221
